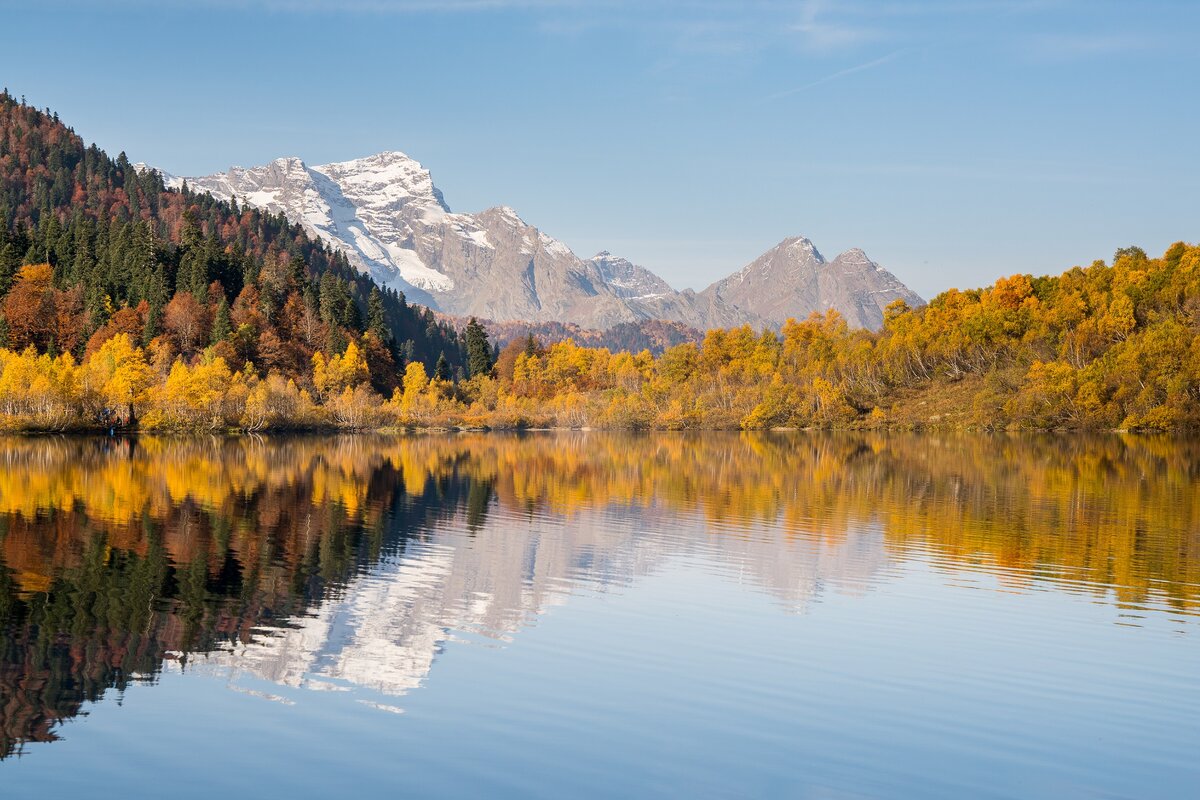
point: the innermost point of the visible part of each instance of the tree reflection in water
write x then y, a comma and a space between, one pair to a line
305, 560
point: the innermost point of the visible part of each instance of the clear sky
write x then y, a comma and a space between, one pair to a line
953, 141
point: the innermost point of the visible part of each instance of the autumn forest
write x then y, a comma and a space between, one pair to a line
125, 303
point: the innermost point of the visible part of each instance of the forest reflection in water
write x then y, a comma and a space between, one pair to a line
347, 562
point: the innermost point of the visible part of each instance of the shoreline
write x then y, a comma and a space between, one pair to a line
407, 430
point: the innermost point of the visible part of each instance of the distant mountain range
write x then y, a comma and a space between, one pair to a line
385, 213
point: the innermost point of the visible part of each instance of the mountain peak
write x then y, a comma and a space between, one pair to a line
393, 155
800, 247
390, 179
281, 170
507, 214
793, 279
627, 279
387, 160
854, 253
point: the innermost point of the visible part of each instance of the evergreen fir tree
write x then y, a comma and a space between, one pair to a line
9, 261
479, 350
336, 344
376, 319
442, 370
222, 326
150, 328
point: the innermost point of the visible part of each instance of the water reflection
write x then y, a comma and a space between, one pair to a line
347, 563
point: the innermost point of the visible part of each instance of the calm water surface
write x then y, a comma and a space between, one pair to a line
593, 615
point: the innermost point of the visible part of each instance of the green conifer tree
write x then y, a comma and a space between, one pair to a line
376, 319
150, 328
442, 370
222, 325
479, 349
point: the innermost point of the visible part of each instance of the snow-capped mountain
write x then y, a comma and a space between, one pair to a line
385, 213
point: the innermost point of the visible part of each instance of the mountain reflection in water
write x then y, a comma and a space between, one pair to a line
347, 563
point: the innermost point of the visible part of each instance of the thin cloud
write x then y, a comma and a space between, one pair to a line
833, 76
820, 34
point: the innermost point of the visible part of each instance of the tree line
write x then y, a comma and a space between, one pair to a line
1103, 347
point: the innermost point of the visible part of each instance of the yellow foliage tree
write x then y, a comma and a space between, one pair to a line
117, 378
339, 372
39, 388
207, 395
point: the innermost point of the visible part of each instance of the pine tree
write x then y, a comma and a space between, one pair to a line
442, 370
479, 350
376, 319
336, 343
9, 261
222, 326
150, 328
190, 233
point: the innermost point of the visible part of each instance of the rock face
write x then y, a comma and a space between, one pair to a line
385, 213
793, 278
627, 279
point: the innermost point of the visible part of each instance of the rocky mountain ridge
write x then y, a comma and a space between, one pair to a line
794, 275
390, 219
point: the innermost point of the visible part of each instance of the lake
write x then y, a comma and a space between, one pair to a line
600, 615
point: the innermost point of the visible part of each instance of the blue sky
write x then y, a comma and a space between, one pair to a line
953, 141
